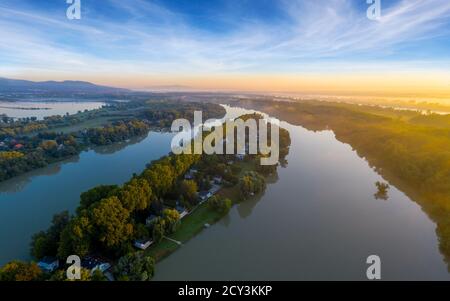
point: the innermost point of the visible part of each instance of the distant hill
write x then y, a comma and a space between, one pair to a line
24, 86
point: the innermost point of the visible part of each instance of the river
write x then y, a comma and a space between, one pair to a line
319, 220
40, 109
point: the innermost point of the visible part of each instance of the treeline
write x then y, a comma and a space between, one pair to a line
116, 132
48, 147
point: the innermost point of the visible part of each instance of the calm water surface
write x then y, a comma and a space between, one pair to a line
21, 109
28, 202
318, 221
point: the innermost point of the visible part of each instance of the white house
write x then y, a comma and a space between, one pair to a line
48, 264
143, 244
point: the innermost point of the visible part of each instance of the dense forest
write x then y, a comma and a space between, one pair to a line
410, 149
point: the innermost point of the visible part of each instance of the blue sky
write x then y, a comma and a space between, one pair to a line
166, 41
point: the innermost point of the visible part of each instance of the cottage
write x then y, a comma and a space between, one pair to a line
190, 174
94, 263
182, 211
18, 146
218, 180
48, 264
143, 244
151, 219
204, 195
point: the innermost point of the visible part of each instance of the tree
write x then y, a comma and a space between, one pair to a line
172, 220
159, 230
85, 275
382, 191
20, 271
135, 267
49, 145
45, 243
97, 194
188, 190
161, 177
221, 205
251, 183
136, 195
76, 237
111, 222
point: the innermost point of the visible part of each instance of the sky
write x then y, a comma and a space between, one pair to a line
305, 46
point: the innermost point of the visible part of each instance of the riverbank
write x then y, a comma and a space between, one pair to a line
195, 222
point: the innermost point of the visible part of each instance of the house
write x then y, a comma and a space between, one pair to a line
204, 195
143, 244
182, 211
48, 264
214, 189
190, 174
218, 180
151, 219
93, 263
18, 146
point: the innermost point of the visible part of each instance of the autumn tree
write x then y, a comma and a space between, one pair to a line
20, 271
111, 222
136, 195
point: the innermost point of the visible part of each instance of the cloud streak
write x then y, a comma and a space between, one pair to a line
150, 39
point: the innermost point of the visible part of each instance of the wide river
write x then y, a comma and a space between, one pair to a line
319, 220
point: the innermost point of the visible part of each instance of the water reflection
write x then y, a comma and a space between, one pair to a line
20, 182
246, 208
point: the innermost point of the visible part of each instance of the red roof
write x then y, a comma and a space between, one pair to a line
17, 146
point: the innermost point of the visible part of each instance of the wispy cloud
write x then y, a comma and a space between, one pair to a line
152, 39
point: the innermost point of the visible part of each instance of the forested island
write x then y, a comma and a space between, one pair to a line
409, 148
28, 144
122, 231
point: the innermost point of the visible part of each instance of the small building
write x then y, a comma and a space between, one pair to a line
190, 174
93, 264
151, 219
218, 180
48, 264
204, 195
214, 189
18, 146
143, 244
182, 211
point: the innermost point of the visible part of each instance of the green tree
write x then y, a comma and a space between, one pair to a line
159, 230
97, 194
172, 220
85, 275
76, 238
135, 267
251, 183
45, 243
221, 205
188, 190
